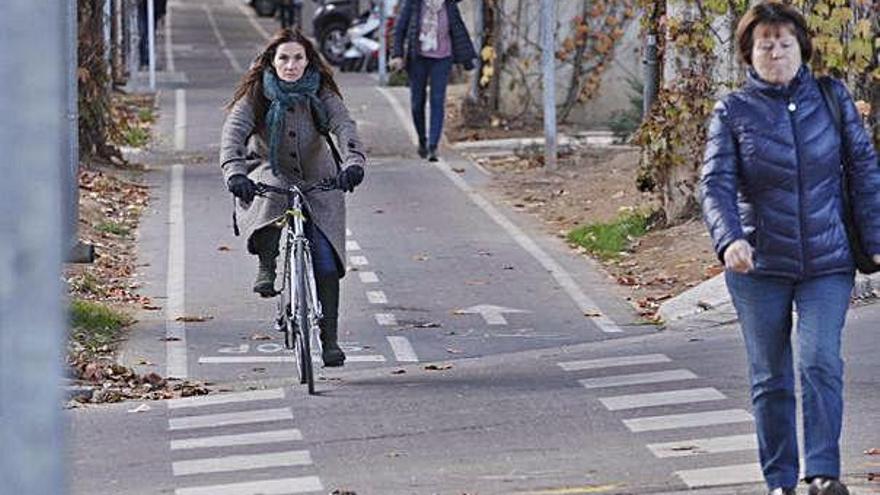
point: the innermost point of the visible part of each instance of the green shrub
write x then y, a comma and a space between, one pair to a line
94, 325
113, 228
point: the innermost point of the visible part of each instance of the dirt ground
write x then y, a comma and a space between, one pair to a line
595, 185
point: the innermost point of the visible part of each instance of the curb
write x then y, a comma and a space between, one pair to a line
595, 139
712, 295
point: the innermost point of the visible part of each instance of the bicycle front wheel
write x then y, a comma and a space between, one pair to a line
303, 331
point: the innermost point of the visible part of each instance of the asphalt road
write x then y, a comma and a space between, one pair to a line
531, 392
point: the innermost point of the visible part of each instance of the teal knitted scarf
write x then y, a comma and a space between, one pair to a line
284, 95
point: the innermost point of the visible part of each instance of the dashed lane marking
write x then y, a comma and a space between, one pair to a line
688, 420
358, 260
687, 448
368, 358
720, 476
352, 246
270, 394
285, 486
672, 397
638, 378
368, 277
403, 350
386, 319
175, 279
227, 419
241, 462
376, 297
258, 438
611, 362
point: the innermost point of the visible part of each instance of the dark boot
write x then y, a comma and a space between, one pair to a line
432, 154
265, 244
331, 352
423, 149
821, 485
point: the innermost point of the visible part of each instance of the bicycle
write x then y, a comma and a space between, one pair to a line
298, 309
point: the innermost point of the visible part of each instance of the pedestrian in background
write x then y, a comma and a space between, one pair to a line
288, 102
290, 13
772, 200
429, 37
159, 7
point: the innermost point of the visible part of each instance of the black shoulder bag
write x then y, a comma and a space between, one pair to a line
863, 260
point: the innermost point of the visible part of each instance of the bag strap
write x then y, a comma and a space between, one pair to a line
337, 158
833, 105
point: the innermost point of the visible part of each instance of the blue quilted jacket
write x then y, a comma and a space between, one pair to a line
406, 33
772, 175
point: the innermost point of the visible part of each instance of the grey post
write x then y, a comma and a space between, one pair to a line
151, 40
31, 225
383, 48
478, 42
71, 137
548, 62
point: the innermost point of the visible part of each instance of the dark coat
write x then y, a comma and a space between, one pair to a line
772, 175
406, 33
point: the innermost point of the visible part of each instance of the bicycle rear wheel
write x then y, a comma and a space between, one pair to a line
301, 317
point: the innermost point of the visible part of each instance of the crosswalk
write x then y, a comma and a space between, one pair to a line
258, 451
617, 374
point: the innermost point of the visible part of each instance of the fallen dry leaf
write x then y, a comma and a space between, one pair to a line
150, 307
438, 367
873, 451
592, 313
451, 350
194, 319
398, 372
223, 248
261, 336
458, 170
169, 339
145, 362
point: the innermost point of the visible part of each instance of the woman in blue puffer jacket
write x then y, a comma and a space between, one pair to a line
772, 200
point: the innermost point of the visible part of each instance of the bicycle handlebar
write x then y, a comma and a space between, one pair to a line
327, 184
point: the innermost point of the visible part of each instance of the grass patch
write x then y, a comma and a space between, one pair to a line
113, 228
95, 325
146, 115
136, 137
608, 240
398, 78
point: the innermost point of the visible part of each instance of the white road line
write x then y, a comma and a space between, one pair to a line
180, 119
348, 233
352, 246
402, 115
638, 378
687, 448
376, 297
724, 475
248, 13
584, 303
368, 277
611, 362
635, 401
369, 358
403, 350
386, 319
175, 286
169, 53
241, 462
358, 260
258, 438
285, 486
226, 419
211, 400
688, 420
220, 41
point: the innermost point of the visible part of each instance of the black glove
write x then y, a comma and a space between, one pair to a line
242, 187
350, 177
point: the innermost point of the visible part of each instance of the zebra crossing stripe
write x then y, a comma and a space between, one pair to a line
284, 486
358, 260
227, 419
352, 246
211, 400
241, 462
260, 437
671, 397
368, 277
377, 297
386, 319
723, 475
592, 364
688, 420
699, 446
638, 378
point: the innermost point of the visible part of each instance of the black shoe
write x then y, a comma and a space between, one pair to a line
423, 151
821, 485
265, 283
432, 155
782, 491
331, 353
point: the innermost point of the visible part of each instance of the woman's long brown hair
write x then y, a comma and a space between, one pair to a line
251, 83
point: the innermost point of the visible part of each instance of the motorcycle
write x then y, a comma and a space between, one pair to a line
362, 50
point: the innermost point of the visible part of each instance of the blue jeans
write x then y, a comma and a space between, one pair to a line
764, 307
421, 70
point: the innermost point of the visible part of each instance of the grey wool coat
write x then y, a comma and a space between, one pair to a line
304, 156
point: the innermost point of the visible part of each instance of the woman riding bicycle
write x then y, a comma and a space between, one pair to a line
275, 132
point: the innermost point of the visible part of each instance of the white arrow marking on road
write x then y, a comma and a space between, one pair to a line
494, 315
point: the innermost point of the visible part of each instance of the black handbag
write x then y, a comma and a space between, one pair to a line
863, 260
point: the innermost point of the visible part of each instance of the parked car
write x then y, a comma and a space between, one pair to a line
329, 25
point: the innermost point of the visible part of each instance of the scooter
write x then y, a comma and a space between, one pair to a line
362, 52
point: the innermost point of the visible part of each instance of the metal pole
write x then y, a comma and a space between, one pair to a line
383, 48
31, 322
652, 80
548, 62
70, 180
151, 39
478, 42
